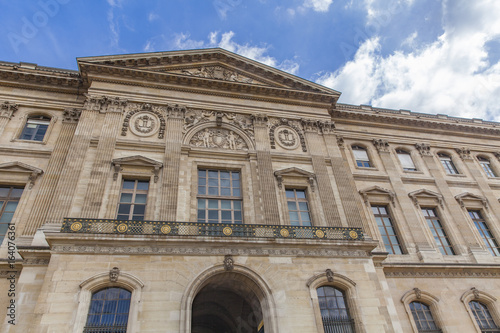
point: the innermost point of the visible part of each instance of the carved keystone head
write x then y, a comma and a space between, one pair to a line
329, 275
228, 262
113, 274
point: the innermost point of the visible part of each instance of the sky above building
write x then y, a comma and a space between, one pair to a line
431, 56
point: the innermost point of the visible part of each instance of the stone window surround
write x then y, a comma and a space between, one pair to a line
369, 153
492, 162
24, 119
245, 178
339, 281
415, 157
454, 159
101, 281
478, 295
428, 299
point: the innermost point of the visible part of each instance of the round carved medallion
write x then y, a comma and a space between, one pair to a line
144, 124
353, 234
122, 227
166, 229
320, 233
227, 231
287, 137
76, 226
284, 232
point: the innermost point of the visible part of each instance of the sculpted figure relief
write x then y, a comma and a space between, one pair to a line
218, 138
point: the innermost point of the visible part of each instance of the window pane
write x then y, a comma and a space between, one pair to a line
126, 197
140, 198
128, 184
387, 230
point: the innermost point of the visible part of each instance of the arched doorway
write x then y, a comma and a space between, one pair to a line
228, 302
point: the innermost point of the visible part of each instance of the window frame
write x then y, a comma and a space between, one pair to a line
488, 300
100, 281
5, 200
206, 197
335, 297
368, 161
438, 218
447, 163
98, 328
421, 296
486, 241
401, 151
24, 122
133, 203
393, 226
297, 201
486, 166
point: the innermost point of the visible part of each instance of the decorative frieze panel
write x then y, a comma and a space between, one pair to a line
221, 138
145, 120
287, 133
7, 109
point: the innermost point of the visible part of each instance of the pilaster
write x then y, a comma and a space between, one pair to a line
7, 109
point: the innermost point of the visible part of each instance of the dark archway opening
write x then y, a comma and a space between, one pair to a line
226, 304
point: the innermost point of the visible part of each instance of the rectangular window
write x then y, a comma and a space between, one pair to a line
219, 196
35, 129
361, 157
448, 165
133, 198
485, 232
440, 237
9, 199
386, 228
298, 207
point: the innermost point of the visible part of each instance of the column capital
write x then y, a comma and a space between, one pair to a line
381, 145
424, 149
464, 153
7, 109
71, 115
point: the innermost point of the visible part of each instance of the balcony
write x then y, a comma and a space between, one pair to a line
179, 229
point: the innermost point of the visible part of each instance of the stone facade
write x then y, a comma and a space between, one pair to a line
162, 118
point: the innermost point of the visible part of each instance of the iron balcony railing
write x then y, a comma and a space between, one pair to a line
338, 325
103, 226
105, 329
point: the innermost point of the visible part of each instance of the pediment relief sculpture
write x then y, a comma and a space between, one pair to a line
213, 137
217, 72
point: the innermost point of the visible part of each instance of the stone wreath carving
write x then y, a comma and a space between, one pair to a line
218, 138
145, 120
286, 131
197, 117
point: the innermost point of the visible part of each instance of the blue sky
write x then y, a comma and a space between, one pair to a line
432, 56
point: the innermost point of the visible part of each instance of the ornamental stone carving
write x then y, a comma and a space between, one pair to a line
329, 275
381, 145
71, 115
260, 119
228, 262
218, 138
113, 274
287, 137
95, 103
116, 105
145, 120
310, 125
217, 72
340, 141
276, 132
7, 109
464, 153
197, 117
327, 127
418, 293
424, 149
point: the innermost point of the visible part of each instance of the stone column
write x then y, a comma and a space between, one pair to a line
75, 160
411, 225
344, 179
102, 161
171, 163
325, 190
6, 111
265, 171
48, 182
454, 208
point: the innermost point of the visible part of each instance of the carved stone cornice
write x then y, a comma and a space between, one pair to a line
7, 109
71, 115
413, 122
381, 145
424, 149
40, 76
464, 153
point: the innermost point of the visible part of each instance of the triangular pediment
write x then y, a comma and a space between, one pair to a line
467, 196
204, 64
294, 172
137, 160
19, 167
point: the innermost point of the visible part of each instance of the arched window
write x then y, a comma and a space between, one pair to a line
361, 157
334, 310
108, 311
35, 128
483, 317
485, 164
448, 165
423, 318
406, 160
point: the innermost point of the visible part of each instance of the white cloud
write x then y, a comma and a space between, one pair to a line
452, 75
152, 17
410, 40
380, 12
225, 41
318, 5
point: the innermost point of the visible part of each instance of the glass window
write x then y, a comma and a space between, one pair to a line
483, 317
448, 165
488, 238
35, 128
387, 230
219, 196
108, 311
133, 198
485, 164
298, 207
406, 160
9, 198
440, 237
361, 157
334, 310
423, 317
